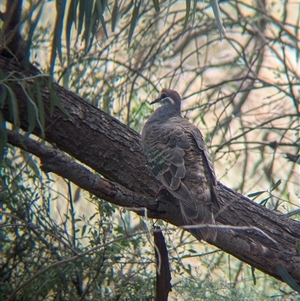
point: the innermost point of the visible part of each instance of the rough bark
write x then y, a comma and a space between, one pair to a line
113, 150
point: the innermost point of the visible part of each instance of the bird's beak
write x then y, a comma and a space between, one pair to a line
155, 101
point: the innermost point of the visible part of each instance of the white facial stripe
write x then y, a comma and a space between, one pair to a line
170, 99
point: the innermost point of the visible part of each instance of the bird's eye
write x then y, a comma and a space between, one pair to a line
163, 95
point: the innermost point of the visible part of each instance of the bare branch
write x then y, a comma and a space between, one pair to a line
68, 260
163, 274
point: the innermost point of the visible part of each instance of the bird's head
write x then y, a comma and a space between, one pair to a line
170, 102
169, 98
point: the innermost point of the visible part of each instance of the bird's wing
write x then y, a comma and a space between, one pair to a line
177, 155
206, 162
165, 147
201, 145
200, 180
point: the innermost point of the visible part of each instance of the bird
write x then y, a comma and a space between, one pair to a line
176, 153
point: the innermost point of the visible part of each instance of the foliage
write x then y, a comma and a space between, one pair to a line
32, 239
243, 93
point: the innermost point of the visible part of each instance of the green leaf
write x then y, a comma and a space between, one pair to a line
156, 5
3, 139
71, 18
134, 19
33, 112
276, 185
253, 275
101, 9
187, 13
194, 11
81, 11
293, 212
40, 103
35, 17
257, 193
298, 246
56, 44
264, 201
216, 9
297, 28
54, 100
88, 22
93, 216
114, 16
287, 278
13, 106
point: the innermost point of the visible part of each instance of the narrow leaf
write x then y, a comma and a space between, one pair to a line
253, 275
83, 230
297, 28
257, 193
264, 201
56, 44
134, 19
115, 15
33, 112
30, 33
298, 246
3, 139
101, 9
187, 13
276, 185
217, 13
81, 15
88, 22
3, 95
32, 115
54, 100
40, 104
287, 278
71, 18
156, 5
194, 12
293, 212
13, 106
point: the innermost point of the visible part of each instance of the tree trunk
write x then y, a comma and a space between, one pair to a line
260, 237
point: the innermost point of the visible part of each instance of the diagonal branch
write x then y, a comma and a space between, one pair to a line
53, 160
113, 150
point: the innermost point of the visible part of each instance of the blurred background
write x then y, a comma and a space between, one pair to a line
242, 92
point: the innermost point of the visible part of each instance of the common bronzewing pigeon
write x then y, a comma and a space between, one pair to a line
176, 153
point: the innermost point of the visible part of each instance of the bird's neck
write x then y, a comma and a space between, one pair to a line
162, 114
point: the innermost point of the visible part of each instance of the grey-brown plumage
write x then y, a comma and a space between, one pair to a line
176, 153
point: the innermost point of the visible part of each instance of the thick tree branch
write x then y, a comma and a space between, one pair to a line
53, 160
112, 149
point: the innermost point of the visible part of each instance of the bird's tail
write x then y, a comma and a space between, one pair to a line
200, 215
